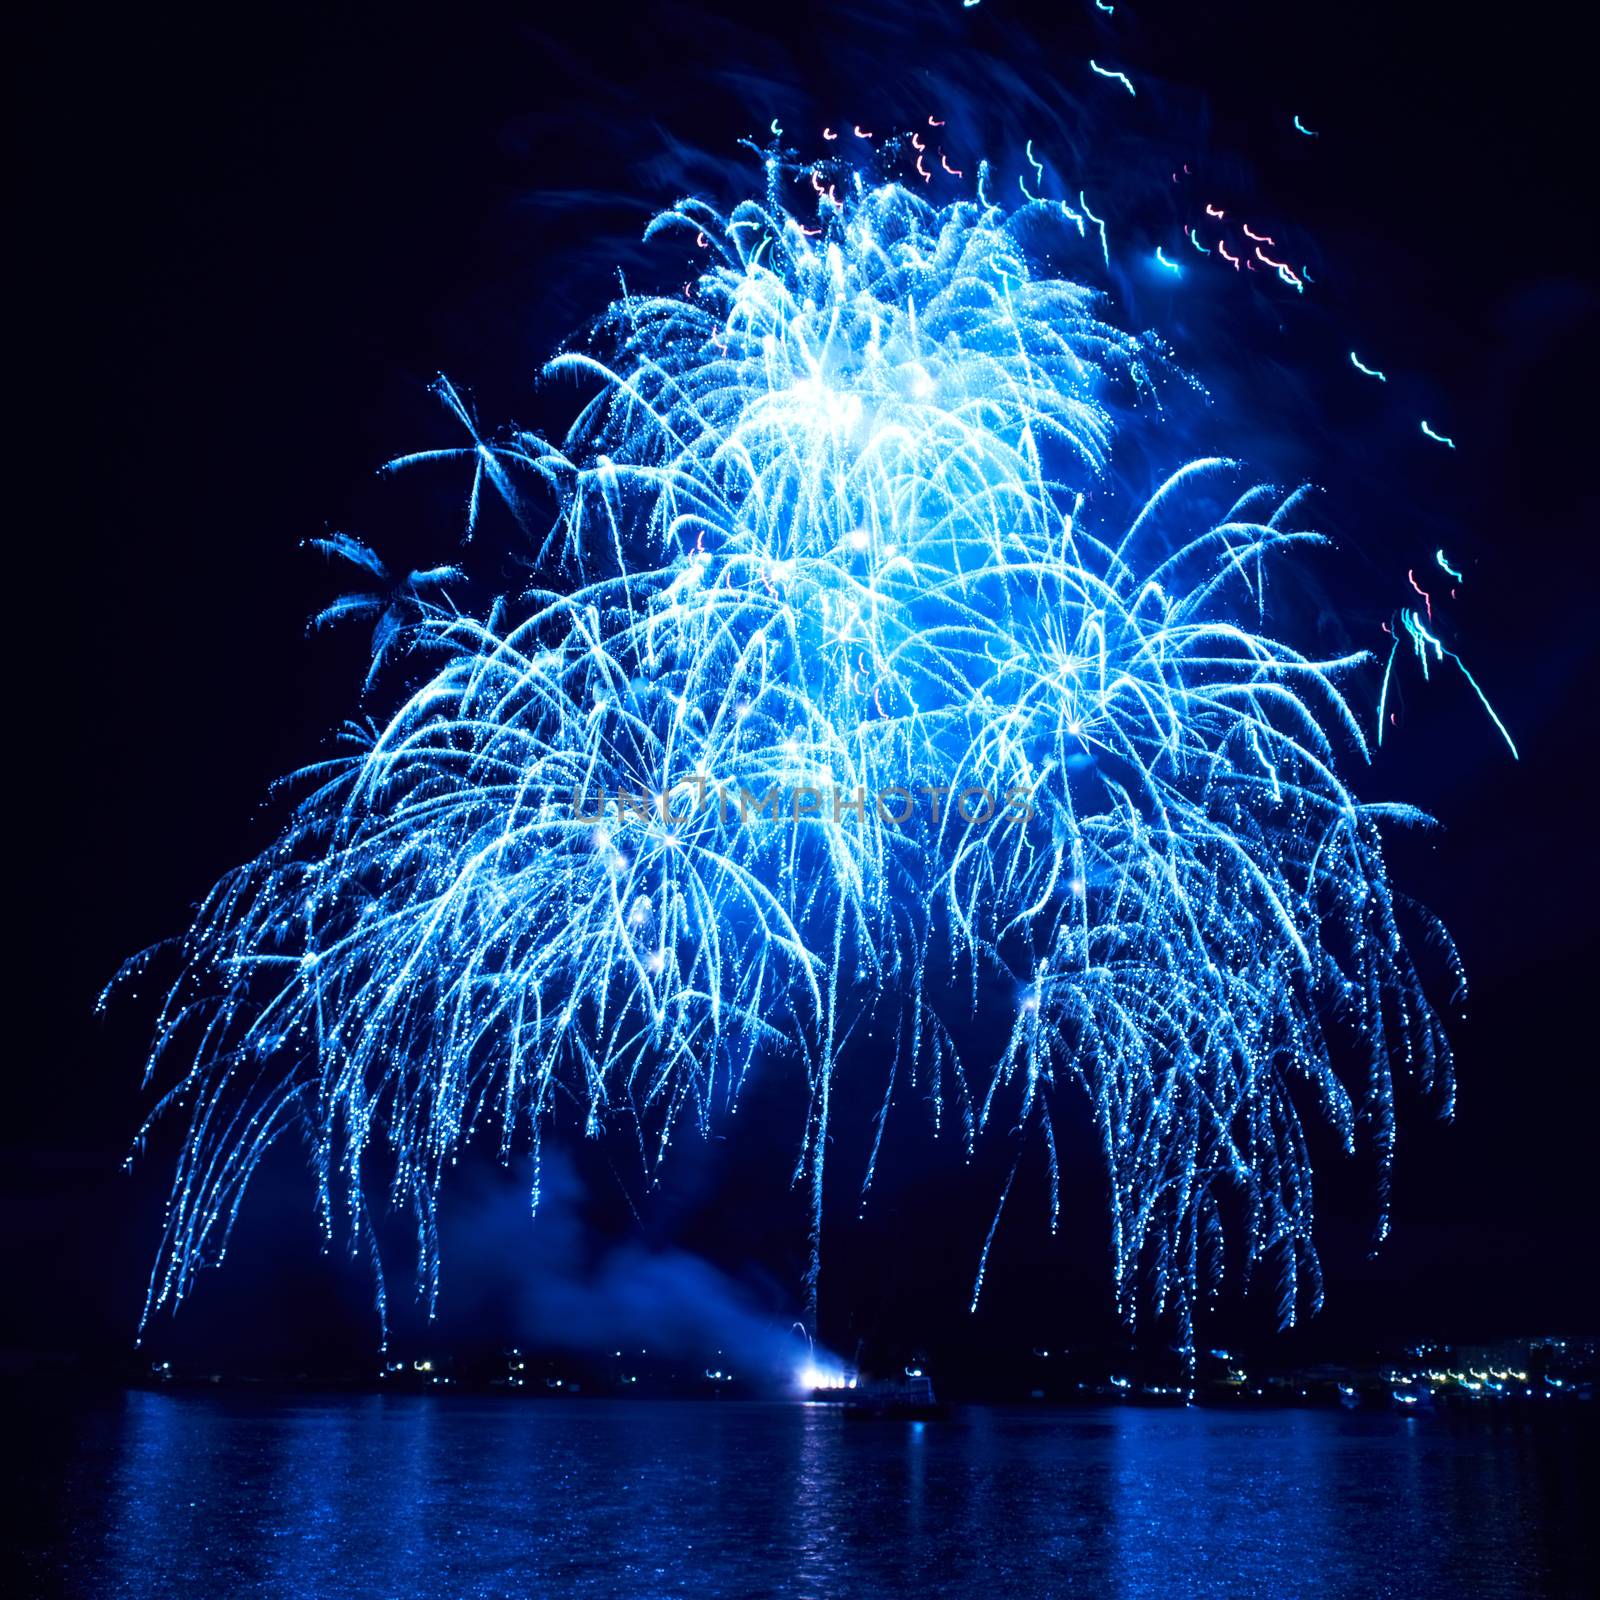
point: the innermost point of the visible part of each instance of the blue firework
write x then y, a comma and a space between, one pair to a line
840, 700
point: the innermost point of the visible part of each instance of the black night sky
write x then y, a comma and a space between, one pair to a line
249, 240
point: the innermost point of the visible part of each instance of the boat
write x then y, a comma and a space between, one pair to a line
909, 1398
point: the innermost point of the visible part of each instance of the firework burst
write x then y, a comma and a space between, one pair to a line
838, 700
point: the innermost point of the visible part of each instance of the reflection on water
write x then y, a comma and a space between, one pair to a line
171, 1494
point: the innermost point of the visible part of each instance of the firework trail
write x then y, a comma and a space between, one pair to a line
835, 705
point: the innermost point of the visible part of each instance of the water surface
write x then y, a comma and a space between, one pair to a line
217, 1495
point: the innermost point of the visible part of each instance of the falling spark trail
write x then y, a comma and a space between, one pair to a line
1099, 222
1422, 641
988, 1239
1116, 77
1282, 268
